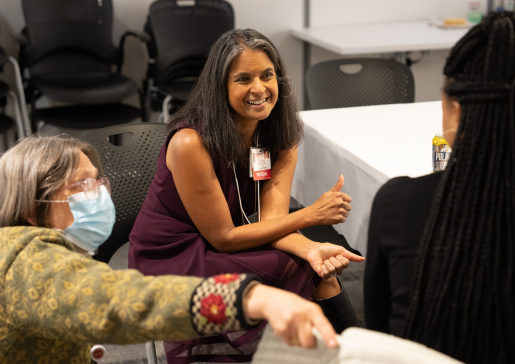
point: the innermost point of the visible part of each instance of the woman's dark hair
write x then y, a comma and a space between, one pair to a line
463, 292
208, 106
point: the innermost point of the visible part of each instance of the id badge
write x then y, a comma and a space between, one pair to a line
260, 164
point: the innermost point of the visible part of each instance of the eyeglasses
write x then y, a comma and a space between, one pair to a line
90, 186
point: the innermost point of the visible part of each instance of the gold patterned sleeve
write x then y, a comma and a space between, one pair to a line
54, 293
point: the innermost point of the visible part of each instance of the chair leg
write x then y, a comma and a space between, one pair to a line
33, 115
17, 116
151, 352
166, 103
21, 96
146, 99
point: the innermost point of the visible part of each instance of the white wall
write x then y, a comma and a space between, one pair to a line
274, 18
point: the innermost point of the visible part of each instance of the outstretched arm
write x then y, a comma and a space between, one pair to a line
53, 293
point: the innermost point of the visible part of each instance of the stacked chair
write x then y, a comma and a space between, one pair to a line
359, 82
67, 49
181, 36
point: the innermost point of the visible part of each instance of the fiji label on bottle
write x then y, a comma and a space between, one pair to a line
441, 153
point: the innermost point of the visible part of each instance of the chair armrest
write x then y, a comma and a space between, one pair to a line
21, 39
4, 58
142, 36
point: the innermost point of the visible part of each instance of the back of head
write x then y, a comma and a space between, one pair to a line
462, 297
33, 170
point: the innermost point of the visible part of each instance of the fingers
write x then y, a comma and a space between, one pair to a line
338, 186
337, 264
322, 325
344, 261
346, 198
306, 338
330, 268
324, 272
351, 256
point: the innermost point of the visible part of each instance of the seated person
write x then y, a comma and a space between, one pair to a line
194, 220
56, 301
441, 247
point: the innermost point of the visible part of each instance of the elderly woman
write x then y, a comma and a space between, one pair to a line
195, 219
56, 300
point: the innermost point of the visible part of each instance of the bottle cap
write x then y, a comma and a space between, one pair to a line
98, 352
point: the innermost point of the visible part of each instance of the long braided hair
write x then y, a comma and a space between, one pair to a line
463, 291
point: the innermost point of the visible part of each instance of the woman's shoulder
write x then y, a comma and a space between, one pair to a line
184, 141
15, 239
404, 190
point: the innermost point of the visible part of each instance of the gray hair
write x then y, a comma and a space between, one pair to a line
34, 169
209, 111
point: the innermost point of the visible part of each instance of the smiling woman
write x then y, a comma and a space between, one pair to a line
194, 220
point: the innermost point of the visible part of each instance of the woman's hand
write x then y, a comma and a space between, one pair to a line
291, 316
332, 207
329, 260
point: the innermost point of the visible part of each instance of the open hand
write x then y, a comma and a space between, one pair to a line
329, 260
291, 316
332, 207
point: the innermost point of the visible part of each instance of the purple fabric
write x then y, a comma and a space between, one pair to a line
164, 240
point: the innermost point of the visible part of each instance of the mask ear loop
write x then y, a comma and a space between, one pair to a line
58, 201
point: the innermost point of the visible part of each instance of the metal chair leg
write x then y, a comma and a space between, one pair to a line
17, 115
21, 96
151, 352
166, 103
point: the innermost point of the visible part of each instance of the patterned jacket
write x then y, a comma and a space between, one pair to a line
55, 303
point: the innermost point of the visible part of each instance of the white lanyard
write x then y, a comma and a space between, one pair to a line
243, 215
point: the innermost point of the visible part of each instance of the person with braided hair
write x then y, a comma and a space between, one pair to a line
441, 249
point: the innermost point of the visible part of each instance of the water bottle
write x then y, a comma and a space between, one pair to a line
474, 15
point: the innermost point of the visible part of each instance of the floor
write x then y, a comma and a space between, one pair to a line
352, 279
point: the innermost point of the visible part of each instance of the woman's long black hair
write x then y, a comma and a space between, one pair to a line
463, 293
208, 106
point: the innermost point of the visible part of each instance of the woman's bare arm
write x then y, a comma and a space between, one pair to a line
202, 196
326, 259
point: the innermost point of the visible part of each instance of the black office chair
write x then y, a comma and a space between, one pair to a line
10, 129
67, 48
359, 82
182, 34
130, 168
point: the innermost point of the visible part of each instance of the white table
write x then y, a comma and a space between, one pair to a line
353, 40
368, 145
349, 40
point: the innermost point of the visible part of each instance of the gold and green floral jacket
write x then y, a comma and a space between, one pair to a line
55, 303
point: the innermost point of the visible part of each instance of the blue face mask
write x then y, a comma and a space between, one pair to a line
93, 220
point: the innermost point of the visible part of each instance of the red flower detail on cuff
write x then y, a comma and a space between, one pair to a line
226, 278
213, 308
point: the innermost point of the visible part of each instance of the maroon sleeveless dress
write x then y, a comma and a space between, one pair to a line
164, 240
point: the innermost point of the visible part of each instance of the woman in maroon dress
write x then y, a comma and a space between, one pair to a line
194, 220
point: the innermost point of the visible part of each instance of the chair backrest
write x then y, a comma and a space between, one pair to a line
183, 32
359, 82
130, 168
64, 25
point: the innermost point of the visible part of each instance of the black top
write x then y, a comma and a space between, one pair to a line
398, 217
